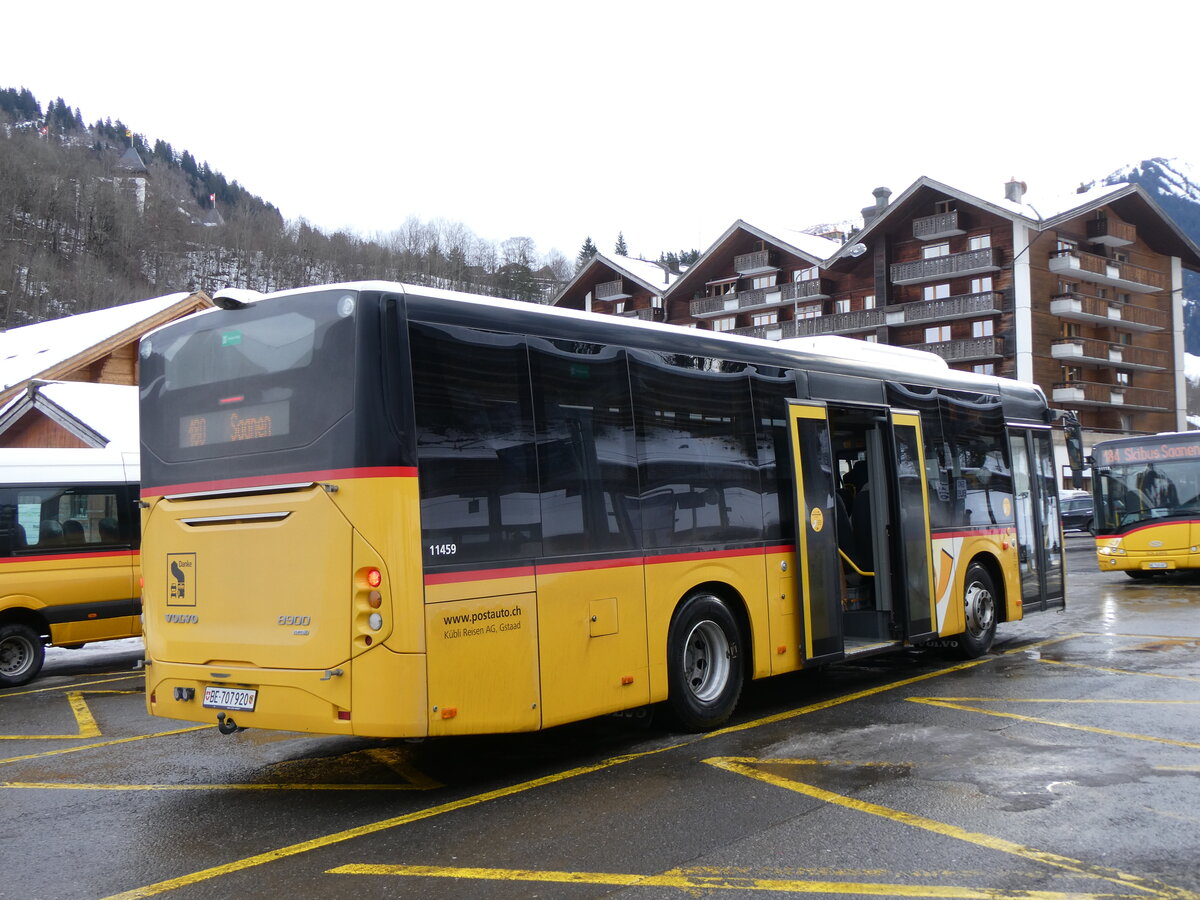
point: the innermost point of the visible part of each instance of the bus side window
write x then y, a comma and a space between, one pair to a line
586, 447
476, 452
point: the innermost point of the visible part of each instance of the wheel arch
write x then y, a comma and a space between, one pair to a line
24, 615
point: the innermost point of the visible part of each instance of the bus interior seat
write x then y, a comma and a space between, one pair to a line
110, 532
50, 533
73, 532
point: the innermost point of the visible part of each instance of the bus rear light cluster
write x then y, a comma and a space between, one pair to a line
368, 598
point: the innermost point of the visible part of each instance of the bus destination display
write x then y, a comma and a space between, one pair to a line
246, 423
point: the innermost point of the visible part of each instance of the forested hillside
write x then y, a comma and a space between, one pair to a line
75, 235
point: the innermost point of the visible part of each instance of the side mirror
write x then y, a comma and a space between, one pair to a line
1074, 435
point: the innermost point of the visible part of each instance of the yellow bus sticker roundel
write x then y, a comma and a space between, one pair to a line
816, 518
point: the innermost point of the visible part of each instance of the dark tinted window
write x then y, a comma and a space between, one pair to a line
476, 452
49, 519
774, 455
586, 447
697, 453
272, 376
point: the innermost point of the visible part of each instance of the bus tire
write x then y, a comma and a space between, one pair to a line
704, 665
979, 612
21, 654
1139, 574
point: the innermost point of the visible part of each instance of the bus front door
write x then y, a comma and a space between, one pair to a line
866, 572
820, 576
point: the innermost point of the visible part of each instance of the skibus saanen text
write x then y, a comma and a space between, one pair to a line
395, 511
1147, 503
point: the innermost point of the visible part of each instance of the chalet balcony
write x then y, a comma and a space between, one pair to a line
840, 323
1075, 394
1107, 355
964, 306
776, 331
973, 350
1110, 233
1075, 265
956, 265
758, 263
650, 314
1079, 307
812, 289
942, 225
612, 290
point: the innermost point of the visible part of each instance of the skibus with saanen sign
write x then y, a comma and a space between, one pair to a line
376, 509
1147, 503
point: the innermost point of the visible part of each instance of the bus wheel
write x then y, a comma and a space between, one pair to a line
21, 654
979, 599
704, 668
1139, 574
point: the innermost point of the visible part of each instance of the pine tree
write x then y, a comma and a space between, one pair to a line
620, 249
586, 252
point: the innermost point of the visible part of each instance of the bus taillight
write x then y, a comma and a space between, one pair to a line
374, 577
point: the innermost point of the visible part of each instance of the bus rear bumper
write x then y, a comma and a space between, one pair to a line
384, 698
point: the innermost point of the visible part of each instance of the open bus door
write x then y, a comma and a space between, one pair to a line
893, 598
1039, 529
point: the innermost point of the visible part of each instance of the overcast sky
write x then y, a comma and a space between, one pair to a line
667, 121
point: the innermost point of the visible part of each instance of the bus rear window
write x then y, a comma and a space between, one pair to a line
275, 375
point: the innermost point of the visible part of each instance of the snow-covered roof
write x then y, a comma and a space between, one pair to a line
102, 414
28, 351
814, 245
649, 273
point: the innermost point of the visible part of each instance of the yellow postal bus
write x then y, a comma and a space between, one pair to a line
386, 510
68, 553
1147, 503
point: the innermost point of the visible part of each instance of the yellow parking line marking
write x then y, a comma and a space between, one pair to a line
946, 703
745, 766
112, 743
363, 830
83, 718
72, 686
1058, 662
688, 882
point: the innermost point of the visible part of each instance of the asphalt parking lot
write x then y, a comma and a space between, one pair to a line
1063, 764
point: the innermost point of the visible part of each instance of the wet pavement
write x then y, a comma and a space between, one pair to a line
1064, 763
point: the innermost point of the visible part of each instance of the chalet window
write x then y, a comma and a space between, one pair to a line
869, 301
984, 368
619, 307
983, 328
806, 274
765, 281
656, 302
725, 323
1126, 422
1071, 330
843, 305
769, 318
1125, 298
935, 291
1070, 373
935, 333
979, 242
1063, 247
981, 285
942, 206
871, 338
931, 251
811, 311
1125, 338
1125, 379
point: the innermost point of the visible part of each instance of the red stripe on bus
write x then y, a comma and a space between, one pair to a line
1162, 524
936, 535
74, 554
479, 575
229, 484
598, 564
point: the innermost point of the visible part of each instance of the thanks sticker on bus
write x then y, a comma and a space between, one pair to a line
242, 699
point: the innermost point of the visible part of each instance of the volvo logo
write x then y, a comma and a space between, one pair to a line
182, 619
1156, 543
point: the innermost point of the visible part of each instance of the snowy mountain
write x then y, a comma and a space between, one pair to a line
1175, 186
